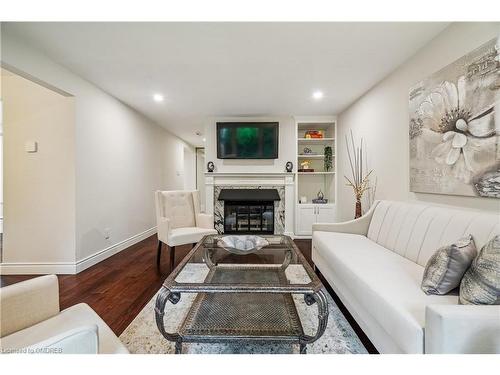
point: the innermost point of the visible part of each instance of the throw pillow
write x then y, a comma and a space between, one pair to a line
481, 283
446, 267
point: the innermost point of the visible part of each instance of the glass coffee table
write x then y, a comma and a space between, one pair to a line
243, 298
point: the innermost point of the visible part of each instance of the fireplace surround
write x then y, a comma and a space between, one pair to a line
282, 182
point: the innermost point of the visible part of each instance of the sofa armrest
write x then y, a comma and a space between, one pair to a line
462, 329
27, 303
81, 340
163, 229
205, 221
356, 226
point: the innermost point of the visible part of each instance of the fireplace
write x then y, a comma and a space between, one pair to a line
249, 211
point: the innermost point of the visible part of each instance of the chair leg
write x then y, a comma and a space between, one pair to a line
172, 257
158, 254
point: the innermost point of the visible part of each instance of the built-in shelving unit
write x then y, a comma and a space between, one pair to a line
308, 184
315, 140
311, 156
315, 173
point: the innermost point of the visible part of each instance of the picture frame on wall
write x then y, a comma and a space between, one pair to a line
453, 127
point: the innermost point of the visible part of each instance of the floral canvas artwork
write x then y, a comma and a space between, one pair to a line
454, 129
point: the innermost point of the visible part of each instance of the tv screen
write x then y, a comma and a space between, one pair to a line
247, 140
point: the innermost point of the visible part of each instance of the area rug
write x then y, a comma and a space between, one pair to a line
142, 335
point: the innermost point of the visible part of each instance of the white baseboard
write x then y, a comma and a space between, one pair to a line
71, 268
95, 258
67, 268
302, 237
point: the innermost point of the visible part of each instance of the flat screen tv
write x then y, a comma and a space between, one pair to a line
247, 140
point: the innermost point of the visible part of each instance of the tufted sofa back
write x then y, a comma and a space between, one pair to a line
416, 231
179, 206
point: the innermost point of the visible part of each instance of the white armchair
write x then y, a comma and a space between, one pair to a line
180, 221
31, 322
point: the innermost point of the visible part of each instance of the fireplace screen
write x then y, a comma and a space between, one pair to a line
248, 217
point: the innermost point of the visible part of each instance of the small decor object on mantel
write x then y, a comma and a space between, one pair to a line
241, 245
210, 166
328, 158
359, 181
289, 166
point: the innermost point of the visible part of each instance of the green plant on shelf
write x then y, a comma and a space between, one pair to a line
328, 158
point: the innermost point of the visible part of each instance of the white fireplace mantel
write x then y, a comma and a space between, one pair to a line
254, 179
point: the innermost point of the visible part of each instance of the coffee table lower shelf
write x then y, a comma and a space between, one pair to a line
233, 317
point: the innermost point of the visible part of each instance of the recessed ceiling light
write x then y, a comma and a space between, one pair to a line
158, 98
317, 95
204, 139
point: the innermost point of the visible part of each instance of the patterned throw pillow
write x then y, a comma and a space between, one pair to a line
481, 283
446, 267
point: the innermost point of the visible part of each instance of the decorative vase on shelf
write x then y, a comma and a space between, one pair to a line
358, 212
360, 178
320, 195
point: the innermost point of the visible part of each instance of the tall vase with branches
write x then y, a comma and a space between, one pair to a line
360, 178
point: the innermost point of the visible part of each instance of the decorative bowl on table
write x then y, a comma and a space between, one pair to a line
242, 244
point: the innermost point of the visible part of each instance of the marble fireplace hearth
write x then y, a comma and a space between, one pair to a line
282, 182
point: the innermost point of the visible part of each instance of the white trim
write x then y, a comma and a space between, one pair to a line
99, 256
60, 268
252, 174
71, 268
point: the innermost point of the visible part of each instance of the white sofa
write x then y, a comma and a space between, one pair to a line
375, 265
31, 322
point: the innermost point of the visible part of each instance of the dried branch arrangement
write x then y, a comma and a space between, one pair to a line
360, 180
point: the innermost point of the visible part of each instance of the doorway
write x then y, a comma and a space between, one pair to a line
200, 175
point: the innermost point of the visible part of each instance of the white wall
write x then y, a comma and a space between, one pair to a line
286, 148
121, 157
39, 186
381, 117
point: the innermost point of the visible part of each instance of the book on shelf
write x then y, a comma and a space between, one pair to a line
317, 134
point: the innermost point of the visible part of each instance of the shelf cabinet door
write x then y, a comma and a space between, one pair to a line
325, 214
306, 216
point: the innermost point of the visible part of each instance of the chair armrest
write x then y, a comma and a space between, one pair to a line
27, 303
356, 226
163, 229
81, 340
462, 329
205, 221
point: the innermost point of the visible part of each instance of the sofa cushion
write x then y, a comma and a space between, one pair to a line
73, 317
445, 269
81, 340
415, 231
385, 283
481, 283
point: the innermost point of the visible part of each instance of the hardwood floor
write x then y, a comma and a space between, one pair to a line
119, 287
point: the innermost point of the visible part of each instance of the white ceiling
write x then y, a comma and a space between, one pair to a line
229, 69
